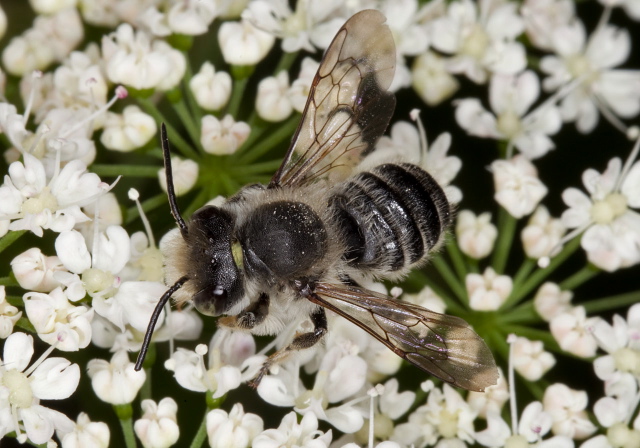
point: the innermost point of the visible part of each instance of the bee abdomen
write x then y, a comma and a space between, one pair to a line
391, 216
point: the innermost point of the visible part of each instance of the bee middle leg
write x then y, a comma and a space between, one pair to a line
300, 342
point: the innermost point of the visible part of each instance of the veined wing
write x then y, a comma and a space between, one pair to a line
444, 346
348, 107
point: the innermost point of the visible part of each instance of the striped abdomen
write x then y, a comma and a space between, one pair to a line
391, 216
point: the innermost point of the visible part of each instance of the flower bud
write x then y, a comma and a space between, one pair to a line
518, 188
210, 89
476, 235
131, 130
530, 360
158, 427
9, 315
272, 103
235, 429
243, 44
115, 382
487, 292
185, 175
550, 301
34, 271
223, 137
86, 433
431, 80
542, 234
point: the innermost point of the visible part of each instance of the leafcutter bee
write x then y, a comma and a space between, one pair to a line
323, 226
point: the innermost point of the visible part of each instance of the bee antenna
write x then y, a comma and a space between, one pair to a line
154, 319
173, 203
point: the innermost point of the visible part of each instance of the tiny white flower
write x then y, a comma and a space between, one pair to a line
57, 321
188, 18
591, 62
621, 341
510, 97
291, 434
272, 103
551, 301
9, 315
426, 298
574, 332
492, 400
115, 381
567, 408
85, 433
237, 429
51, 6
185, 175
133, 59
128, 131
22, 387
3, 22
35, 272
94, 274
243, 44
611, 227
631, 7
543, 17
300, 87
158, 426
431, 80
518, 188
222, 137
211, 89
476, 235
303, 28
446, 419
34, 202
223, 372
481, 37
542, 234
530, 359
487, 292
50, 39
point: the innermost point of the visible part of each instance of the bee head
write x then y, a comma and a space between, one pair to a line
215, 276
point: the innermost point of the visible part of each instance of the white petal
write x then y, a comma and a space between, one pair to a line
631, 186
113, 250
72, 250
55, 379
37, 423
18, 350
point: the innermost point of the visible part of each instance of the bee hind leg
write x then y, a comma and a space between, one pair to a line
300, 342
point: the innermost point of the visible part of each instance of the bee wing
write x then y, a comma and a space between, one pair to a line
348, 107
444, 346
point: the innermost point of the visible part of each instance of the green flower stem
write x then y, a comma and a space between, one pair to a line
125, 414
239, 88
145, 390
201, 435
524, 314
258, 168
286, 61
147, 205
126, 170
285, 130
8, 281
507, 226
541, 274
454, 283
196, 111
189, 122
26, 325
420, 280
612, 302
457, 259
473, 265
579, 278
174, 136
525, 269
10, 238
15, 300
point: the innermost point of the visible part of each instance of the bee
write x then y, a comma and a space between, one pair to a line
276, 254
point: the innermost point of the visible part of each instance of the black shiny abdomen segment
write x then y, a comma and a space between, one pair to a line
285, 237
391, 216
425, 199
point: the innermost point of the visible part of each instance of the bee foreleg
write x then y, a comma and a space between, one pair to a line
250, 317
300, 342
